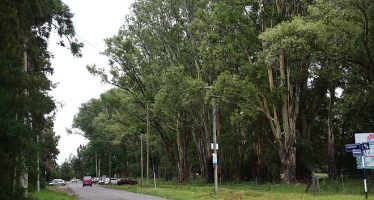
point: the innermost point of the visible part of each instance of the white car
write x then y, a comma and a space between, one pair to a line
101, 182
57, 182
114, 181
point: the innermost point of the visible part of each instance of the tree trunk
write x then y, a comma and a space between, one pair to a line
110, 162
285, 133
201, 139
288, 160
183, 170
330, 135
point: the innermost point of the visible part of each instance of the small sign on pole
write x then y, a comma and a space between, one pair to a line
215, 160
351, 147
212, 146
357, 153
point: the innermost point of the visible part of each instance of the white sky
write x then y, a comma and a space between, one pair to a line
94, 20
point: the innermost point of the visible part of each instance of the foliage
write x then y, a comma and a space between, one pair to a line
275, 69
25, 106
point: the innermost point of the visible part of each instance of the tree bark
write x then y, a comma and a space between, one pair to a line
201, 138
110, 162
285, 133
331, 136
183, 170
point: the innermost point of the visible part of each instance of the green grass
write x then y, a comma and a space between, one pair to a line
50, 194
353, 189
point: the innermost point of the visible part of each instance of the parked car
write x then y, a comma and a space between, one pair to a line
101, 182
87, 181
113, 181
95, 179
126, 181
57, 182
74, 180
106, 181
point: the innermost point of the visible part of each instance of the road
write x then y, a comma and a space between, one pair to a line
98, 192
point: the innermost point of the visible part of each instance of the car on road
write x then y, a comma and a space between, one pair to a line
126, 181
87, 181
57, 182
74, 180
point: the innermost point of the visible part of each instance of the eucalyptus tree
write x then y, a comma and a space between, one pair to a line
25, 27
155, 39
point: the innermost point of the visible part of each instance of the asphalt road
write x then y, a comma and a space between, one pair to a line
98, 192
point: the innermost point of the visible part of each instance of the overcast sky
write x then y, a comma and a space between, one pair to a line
94, 20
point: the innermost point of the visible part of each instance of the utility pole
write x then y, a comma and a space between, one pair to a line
37, 166
215, 162
96, 162
141, 159
147, 138
154, 175
99, 167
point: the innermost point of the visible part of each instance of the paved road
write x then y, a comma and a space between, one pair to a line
97, 192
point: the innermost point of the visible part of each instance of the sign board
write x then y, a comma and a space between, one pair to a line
212, 146
357, 153
367, 138
215, 161
351, 147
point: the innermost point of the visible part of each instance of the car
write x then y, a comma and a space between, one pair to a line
87, 181
126, 181
113, 181
106, 181
101, 182
57, 182
95, 179
74, 180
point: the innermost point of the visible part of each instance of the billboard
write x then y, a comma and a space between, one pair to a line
368, 154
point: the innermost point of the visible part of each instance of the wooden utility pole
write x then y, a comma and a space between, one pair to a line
141, 159
96, 163
37, 166
147, 138
215, 163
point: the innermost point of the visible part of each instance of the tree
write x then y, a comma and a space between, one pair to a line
24, 30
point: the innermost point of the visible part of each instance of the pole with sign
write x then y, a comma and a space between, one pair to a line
358, 150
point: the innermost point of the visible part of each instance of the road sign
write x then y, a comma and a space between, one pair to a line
351, 147
357, 152
212, 146
365, 146
215, 160
367, 139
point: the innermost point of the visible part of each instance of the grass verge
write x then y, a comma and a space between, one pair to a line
51, 194
330, 190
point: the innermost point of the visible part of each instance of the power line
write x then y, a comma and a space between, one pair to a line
91, 44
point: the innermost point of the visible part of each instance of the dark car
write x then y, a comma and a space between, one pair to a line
87, 181
126, 181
